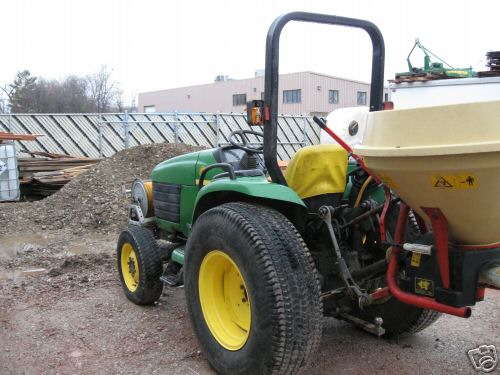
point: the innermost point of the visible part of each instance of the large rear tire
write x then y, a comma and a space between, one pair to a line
252, 291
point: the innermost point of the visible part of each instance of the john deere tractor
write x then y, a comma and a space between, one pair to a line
264, 256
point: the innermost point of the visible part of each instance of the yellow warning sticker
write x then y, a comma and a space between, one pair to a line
386, 179
424, 286
415, 259
454, 181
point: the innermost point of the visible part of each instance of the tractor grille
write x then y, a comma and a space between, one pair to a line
167, 201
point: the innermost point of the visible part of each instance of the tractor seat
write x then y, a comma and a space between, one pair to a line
239, 159
318, 175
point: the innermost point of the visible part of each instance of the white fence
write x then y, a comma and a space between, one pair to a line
101, 135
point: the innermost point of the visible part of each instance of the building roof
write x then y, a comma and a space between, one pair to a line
260, 77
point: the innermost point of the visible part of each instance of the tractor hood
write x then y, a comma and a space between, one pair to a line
179, 170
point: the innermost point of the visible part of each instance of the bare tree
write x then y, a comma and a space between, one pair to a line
129, 105
73, 94
103, 91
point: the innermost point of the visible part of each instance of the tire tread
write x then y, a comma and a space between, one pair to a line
150, 265
291, 277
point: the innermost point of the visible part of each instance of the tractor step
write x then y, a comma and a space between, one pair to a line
173, 275
170, 280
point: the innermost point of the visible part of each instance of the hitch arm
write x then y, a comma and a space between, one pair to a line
325, 213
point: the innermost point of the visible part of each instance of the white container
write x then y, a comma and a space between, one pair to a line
444, 91
9, 175
348, 123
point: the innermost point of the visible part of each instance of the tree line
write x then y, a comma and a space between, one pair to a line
96, 92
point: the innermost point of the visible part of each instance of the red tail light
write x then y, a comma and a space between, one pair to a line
388, 106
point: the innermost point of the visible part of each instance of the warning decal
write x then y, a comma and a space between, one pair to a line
415, 259
424, 286
454, 181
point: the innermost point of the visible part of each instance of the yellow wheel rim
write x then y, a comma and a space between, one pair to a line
130, 267
224, 300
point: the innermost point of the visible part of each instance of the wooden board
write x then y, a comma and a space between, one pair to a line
44, 176
18, 137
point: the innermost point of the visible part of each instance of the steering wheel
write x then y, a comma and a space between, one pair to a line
245, 143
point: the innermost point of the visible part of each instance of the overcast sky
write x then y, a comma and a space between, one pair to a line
153, 45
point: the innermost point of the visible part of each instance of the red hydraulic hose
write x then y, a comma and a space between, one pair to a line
422, 302
412, 299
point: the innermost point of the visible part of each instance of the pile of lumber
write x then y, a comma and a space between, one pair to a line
417, 77
47, 174
493, 58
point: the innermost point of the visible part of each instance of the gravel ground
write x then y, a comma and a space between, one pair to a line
66, 314
94, 201
62, 310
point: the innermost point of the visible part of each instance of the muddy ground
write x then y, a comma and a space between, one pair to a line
62, 311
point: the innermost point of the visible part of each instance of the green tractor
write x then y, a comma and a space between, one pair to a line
264, 256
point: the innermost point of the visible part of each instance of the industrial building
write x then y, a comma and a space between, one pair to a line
300, 93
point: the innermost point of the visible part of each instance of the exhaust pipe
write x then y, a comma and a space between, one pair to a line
490, 276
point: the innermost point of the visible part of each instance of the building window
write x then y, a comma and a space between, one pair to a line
262, 95
239, 99
149, 108
333, 96
292, 96
361, 98
386, 97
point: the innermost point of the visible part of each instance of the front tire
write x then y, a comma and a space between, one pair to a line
139, 265
252, 291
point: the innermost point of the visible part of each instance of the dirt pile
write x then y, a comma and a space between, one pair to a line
94, 200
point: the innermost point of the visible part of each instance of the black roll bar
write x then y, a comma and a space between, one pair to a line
272, 75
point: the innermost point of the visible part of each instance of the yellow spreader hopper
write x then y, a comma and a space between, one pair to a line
446, 157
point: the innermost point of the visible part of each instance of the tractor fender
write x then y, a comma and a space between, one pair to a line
257, 190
